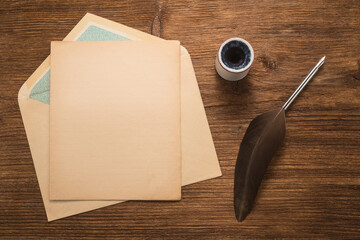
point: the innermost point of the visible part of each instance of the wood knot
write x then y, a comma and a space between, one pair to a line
267, 62
156, 26
356, 74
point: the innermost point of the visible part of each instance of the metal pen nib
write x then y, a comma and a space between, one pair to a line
303, 84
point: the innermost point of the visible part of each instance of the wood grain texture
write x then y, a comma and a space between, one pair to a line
312, 186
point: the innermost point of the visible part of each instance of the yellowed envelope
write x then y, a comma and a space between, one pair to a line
115, 120
199, 160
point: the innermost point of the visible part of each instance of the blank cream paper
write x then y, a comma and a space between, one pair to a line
115, 120
199, 160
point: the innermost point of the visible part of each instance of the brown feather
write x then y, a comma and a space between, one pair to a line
262, 138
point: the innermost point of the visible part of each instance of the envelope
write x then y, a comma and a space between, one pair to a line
115, 120
199, 159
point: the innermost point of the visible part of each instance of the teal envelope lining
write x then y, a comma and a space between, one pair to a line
41, 90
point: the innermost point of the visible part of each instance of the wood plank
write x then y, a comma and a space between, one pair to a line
312, 187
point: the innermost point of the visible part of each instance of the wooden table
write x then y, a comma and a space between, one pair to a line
312, 186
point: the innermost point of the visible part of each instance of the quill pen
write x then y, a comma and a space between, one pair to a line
262, 138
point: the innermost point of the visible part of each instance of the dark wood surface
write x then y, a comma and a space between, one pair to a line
312, 186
